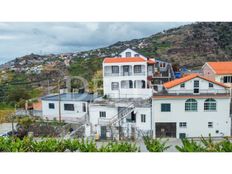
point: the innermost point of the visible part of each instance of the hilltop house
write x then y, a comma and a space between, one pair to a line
128, 76
219, 71
191, 106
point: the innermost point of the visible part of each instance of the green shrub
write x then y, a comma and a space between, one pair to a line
155, 145
119, 147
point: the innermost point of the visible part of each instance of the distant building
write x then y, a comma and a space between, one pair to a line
219, 71
191, 106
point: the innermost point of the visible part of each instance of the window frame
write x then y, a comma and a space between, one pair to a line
183, 124
137, 69
113, 87
210, 124
143, 118
163, 109
189, 103
182, 85
212, 103
211, 85
49, 104
113, 68
102, 114
84, 108
70, 104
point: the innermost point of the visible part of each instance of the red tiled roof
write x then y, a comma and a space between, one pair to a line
127, 59
187, 78
221, 67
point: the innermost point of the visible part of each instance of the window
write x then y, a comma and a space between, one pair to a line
191, 105
102, 114
69, 107
183, 124
210, 124
210, 85
115, 69
227, 79
137, 69
137, 55
84, 107
51, 105
210, 105
182, 85
114, 85
165, 107
128, 54
143, 118
125, 84
196, 83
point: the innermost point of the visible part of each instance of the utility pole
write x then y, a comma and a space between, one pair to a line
59, 101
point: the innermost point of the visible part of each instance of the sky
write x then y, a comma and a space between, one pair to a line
18, 38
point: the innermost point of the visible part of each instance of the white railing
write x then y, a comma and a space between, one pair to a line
201, 92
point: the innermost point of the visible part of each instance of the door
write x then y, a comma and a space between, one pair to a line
103, 132
165, 130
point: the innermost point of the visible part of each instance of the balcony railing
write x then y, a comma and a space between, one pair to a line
125, 74
191, 92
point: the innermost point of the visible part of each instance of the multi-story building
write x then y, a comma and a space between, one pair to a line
128, 76
191, 106
218, 71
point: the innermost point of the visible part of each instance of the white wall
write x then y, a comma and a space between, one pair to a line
66, 115
111, 111
203, 86
133, 53
126, 93
197, 122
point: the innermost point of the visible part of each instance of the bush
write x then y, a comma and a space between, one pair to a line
119, 147
155, 145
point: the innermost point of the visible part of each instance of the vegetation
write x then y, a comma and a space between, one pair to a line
205, 145
27, 144
155, 145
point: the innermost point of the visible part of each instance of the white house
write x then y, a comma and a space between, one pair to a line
218, 71
127, 115
70, 106
128, 76
191, 106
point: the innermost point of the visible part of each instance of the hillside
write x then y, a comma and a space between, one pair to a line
189, 45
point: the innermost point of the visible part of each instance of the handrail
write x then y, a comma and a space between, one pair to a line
115, 116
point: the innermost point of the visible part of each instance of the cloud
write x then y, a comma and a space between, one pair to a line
18, 39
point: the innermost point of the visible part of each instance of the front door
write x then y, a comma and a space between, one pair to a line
103, 132
165, 130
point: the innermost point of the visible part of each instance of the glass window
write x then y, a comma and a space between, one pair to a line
69, 107
196, 83
182, 85
102, 114
210, 105
165, 107
183, 124
210, 85
137, 69
128, 54
114, 85
84, 107
115, 69
51, 105
143, 118
191, 105
137, 55
210, 124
